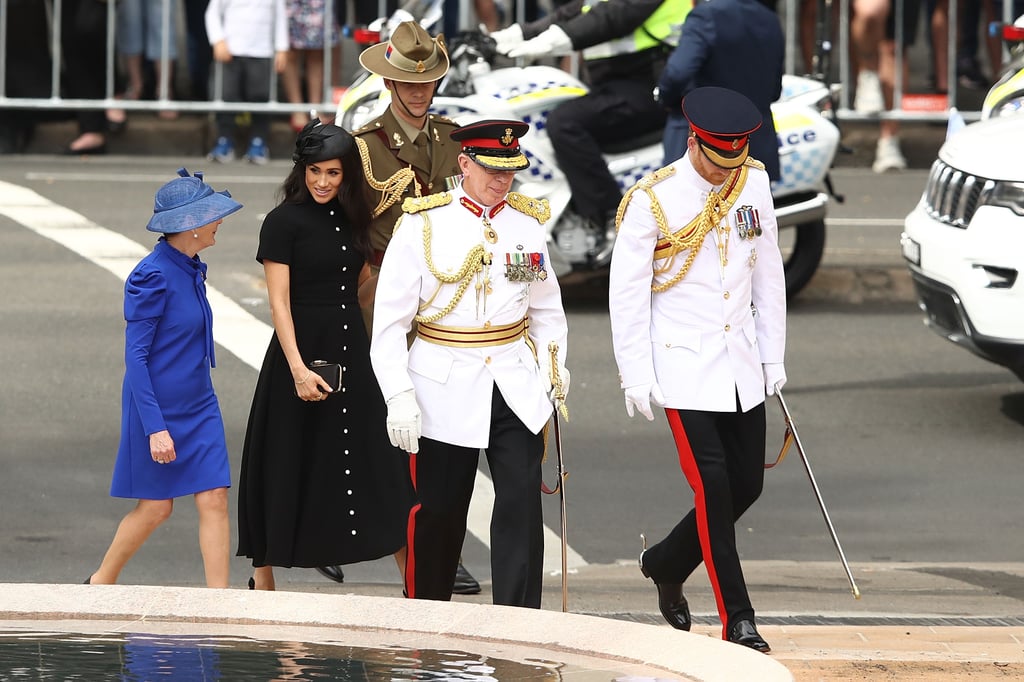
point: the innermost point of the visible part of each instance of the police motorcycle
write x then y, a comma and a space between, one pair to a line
475, 88
1006, 96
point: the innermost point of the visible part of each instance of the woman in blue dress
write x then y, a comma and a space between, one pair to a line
320, 484
172, 432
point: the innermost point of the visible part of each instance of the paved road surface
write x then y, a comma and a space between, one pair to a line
914, 441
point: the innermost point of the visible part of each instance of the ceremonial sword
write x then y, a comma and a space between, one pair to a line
793, 437
558, 401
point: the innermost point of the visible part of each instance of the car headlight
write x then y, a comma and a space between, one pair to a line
1008, 195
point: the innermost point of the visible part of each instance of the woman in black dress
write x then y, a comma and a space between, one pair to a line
320, 483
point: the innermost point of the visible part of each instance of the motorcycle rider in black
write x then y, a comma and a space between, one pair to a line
625, 45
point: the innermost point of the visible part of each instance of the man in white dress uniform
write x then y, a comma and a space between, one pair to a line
470, 268
698, 312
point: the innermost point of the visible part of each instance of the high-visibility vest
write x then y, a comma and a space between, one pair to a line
664, 26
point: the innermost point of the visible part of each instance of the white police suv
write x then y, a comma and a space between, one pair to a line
964, 242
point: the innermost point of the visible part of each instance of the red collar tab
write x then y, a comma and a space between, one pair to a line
478, 211
472, 207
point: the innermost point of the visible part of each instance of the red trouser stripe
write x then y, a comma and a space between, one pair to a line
692, 474
410, 535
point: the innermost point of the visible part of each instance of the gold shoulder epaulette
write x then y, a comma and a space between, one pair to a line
538, 209
753, 163
652, 179
645, 183
417, 204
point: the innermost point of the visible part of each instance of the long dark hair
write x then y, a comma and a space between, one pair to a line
353, 195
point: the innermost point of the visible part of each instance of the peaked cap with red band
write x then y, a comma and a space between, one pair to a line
494, 143
722, 121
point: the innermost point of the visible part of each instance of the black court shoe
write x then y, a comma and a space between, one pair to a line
333, 572
743, 632
671, 602
464, 582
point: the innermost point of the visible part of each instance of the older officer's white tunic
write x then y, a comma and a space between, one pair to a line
704, 338
454, 383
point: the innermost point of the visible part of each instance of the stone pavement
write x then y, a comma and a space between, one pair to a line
920, 622
912, 622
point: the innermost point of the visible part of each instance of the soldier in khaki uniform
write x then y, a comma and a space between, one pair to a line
406, 152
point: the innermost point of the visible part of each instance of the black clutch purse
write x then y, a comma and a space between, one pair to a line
328, 371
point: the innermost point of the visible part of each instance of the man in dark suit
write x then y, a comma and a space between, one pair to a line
735, 44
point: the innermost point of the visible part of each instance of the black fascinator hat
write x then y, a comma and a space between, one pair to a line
321, 141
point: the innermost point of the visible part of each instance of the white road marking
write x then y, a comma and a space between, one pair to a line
235, 329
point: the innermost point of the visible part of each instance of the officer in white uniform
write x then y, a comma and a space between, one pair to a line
698, 311
470, 267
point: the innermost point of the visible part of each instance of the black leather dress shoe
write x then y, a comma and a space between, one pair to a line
743, 632
464, 582
333, 572
671, 602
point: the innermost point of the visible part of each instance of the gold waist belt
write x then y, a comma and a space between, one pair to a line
472, 337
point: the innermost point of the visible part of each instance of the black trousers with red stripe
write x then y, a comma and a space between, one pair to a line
444, 475
722, 456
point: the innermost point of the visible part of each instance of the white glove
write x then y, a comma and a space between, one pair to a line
551, 43
404, 421
640, 397
507, 38
774, 375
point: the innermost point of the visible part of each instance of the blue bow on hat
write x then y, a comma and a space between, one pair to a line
187, 202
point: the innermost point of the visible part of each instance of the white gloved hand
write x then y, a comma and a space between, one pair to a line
551, 43
774, 375
507, 38
640, 398
404, 421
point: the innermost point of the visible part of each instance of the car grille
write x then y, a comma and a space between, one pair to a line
953, 196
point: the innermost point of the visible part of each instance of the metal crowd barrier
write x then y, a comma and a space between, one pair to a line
838, 70
163, 101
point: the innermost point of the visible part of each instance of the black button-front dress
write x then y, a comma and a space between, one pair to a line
320, 483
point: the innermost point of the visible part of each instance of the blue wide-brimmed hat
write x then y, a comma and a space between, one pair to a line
186, 203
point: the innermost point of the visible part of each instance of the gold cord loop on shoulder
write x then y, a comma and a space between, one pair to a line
392, 188
471, 266
691, 237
